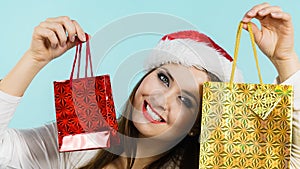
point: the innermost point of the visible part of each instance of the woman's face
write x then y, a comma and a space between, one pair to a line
167, 101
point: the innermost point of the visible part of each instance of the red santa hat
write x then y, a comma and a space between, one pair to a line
191, 48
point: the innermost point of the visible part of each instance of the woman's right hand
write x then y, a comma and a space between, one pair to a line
50, 40
53, 37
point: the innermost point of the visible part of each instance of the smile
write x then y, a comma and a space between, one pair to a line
151, 115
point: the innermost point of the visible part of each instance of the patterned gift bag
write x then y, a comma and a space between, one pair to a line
245, 125
85, 112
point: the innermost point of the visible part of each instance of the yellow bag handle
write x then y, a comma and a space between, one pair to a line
236, 49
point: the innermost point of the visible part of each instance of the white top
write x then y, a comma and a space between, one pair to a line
37, 148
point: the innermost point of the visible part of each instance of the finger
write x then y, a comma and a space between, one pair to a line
58, 29
281, 15
267, 11
67, 24
72, 44
255, 30
43, 33
253, 12
80, 34
79, 30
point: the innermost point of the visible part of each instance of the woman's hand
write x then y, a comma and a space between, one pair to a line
275, 38
50, 40
54, 37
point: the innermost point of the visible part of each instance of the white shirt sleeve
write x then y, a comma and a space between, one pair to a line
33, 148
294, 80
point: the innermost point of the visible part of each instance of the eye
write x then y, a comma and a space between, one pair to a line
186, 101
162, 77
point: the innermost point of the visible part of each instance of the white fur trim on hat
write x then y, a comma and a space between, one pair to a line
188, 52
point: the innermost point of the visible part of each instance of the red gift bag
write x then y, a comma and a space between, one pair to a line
85, 112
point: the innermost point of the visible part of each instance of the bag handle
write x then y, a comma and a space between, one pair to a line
88, 59
236, 49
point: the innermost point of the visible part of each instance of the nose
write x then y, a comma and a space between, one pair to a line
162, 100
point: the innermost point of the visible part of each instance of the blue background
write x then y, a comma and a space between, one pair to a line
218, 19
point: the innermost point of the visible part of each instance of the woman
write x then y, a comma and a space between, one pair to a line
162, 108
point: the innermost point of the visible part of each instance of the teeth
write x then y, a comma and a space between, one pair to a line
152, 114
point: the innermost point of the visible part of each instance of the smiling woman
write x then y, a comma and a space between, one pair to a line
159, 126
168, 101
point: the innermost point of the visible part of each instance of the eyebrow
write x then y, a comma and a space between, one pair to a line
184, 91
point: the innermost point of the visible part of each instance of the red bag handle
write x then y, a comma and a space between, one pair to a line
88, 59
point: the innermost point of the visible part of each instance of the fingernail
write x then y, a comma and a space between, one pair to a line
261, 11
250, 13
73, 38
83, 37
275, 14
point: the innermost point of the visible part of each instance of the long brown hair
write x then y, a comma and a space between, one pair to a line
184, 155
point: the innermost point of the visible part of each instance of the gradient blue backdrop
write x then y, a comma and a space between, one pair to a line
216, 18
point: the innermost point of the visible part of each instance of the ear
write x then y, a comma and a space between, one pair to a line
195, 130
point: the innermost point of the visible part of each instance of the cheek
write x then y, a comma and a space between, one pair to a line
149, 86
146, 88
182, 117
181, 122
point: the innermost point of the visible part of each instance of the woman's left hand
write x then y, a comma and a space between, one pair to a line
275, 38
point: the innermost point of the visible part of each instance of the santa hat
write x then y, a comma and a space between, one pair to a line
191, 48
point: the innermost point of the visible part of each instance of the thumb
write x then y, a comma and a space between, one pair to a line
256, 31
72, 44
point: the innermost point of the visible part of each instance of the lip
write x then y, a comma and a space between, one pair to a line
148, 117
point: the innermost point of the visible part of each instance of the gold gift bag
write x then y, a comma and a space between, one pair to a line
245, 125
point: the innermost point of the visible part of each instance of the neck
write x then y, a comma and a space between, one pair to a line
148, 150
138, 162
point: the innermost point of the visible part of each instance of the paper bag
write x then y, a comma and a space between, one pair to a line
85, 112
245, 125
